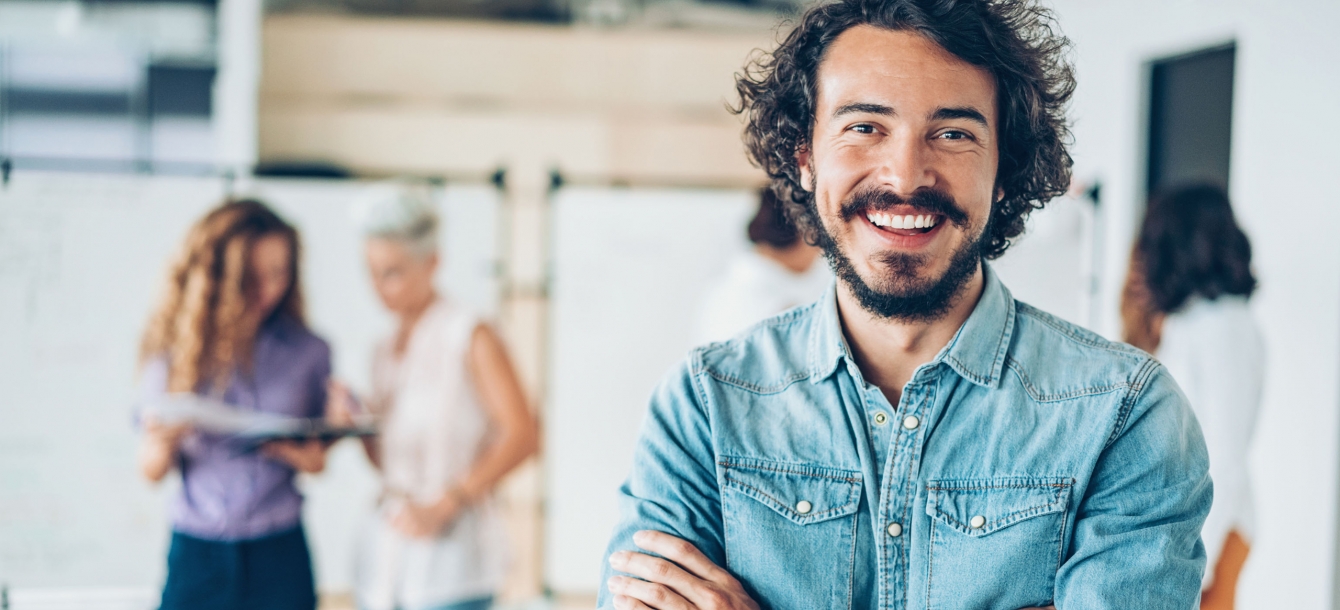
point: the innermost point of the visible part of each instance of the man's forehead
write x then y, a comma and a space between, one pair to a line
879, 65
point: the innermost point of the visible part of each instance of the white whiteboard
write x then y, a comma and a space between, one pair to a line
81, 259
630, 268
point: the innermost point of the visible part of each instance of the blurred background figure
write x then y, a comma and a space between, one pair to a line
230, 326
453, 420
779, 272
1186, 301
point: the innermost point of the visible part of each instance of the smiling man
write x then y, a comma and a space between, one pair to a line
916, 438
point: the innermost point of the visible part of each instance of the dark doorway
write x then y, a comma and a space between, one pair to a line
1191, 118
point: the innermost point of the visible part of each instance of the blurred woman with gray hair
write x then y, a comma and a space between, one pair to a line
453, 421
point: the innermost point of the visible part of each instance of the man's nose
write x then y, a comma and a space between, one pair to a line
905, 165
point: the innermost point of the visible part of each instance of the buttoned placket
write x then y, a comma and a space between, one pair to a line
896, 438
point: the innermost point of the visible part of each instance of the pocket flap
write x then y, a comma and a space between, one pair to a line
984, 506
802, 493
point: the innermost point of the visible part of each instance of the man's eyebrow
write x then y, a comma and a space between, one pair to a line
960, 112
862, 107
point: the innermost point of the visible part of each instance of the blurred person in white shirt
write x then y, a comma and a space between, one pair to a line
452, 419
1186, 302
779, 272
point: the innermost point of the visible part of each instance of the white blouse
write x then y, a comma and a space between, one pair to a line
433, 428
1215, 352
753, 288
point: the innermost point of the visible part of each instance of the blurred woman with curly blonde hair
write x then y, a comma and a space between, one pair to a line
230, 327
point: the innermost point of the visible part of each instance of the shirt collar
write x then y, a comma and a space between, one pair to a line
281, 327
977, 351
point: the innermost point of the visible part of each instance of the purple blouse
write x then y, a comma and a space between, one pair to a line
230, 492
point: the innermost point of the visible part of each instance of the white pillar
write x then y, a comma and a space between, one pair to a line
524, 317
237, 86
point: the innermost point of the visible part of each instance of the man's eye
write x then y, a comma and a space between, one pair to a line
955, 134
862, 128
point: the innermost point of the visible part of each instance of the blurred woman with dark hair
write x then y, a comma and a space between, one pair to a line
1186, 301
779, 272
230, 327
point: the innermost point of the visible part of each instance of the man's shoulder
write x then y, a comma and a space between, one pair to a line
766, 357
1057, 360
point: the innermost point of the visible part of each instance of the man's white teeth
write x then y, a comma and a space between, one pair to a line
907, 221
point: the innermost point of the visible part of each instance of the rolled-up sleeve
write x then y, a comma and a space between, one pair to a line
672, 486
1137, 533
153, 383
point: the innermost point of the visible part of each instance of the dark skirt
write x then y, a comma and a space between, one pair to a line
270, 573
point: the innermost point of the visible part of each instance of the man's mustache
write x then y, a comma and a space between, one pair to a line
925, 200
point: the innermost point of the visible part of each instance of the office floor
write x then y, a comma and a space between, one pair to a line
562, 602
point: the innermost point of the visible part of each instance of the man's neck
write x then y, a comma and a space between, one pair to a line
888, 351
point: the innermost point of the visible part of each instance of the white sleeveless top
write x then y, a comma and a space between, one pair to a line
1215, 351
433, 428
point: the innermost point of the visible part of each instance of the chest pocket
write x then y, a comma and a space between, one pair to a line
995, 543
791, 531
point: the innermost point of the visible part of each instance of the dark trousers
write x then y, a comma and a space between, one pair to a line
270, 573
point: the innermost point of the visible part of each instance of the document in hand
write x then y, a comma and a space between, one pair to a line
217, 417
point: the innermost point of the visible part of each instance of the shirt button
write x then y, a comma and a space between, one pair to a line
977, 522
895, 529
911, 422
804, 507
881, 418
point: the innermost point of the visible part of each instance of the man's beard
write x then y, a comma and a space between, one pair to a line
905, 296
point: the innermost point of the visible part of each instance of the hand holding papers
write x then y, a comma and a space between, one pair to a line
343, 408
304, 456
158, 450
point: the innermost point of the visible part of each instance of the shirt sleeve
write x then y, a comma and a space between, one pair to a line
1137, 530
672, 486
153, 381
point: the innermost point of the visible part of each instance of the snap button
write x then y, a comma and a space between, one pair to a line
895, 529
804, 507
881, 418
977, 522
911, 422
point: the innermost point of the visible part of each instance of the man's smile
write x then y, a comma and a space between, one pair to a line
901, 227
904, 224
907, 223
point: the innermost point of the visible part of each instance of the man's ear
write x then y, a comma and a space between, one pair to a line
1000, 194
803, 158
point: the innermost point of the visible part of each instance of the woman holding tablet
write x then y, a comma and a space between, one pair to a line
453, 422
230, 328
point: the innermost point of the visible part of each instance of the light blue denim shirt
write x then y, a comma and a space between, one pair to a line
1030, 463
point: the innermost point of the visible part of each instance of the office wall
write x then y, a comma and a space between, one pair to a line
1284, 152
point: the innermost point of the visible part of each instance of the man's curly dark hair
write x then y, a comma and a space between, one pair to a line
1015, 40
